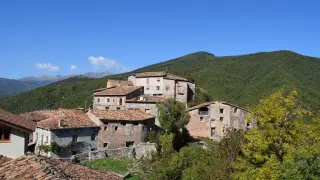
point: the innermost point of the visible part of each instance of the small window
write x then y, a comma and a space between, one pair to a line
201, 118
147, 111
248, 124
106, 128
105, 145
221, 111
221, 118
107, 108
74, 152
235, 110
158, 87
93, 137
129, 143
167, 88
147, 88
123, 123
158, 80
74, 138
116, 128
108, 100
130, 108
5, 135
112, 100
118, 108
98, 99
93, 149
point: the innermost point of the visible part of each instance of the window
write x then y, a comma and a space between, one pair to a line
105, 145
235, 110
221, 111
148, 80
120, 102
221, 118
93, 149
130, 108
74, 138
112, 100
93, 137
147, 88
129, 143
108, 100
116, 128
147, 111
123, 123
98, 99
180, 90
167, 88
118, 108
213, 129
203, 111
158, 87
158, 80
74, 152
107, 108
5, 135
248, 124
201, 118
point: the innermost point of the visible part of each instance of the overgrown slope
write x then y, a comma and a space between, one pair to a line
238, 79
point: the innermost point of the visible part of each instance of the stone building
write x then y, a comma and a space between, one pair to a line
14, 134
147, 104
115, 97
66, 127
116, 83
216, 119
121, 128
165, 85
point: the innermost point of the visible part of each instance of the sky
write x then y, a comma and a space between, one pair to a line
73, 37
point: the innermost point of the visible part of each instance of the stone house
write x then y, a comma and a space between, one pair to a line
71, 128
146, 103
121, 128
216, 119
116, 83
14, 134
165, 85
115, 97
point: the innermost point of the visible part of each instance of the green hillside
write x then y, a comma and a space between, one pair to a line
238, 79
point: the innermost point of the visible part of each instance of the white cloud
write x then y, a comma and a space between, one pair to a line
110, 64
73, 67
47, 67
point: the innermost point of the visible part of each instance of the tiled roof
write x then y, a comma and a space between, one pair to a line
116, 83
160, 74
17, 121
40, 115
46, 168
213, 102
72, 118
122, 115
117, 91
147, 99
3, 159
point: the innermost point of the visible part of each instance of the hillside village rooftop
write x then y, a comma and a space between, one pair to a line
117, 91
16, 121
122, 115
160, 74
147, 99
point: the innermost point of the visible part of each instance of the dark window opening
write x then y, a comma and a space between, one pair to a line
248, 124
129, 143
116, 128
120, 102
201, 118
98, 99
158, 87
93, 149
118, 108
5, 134
123, 123
235, 110
221, 118
106, 128
221, 111
105, 145
108, 100
74, 138
203, 111
107, 108
93, 137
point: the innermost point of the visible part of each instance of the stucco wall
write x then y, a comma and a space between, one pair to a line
17, 145
102, 101
151, 87
143, 106
233, 118
169, 88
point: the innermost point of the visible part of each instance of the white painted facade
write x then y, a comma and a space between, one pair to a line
17, 146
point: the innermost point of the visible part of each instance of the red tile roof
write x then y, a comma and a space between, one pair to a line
45, 168
3, 159
40, 115
118, 91
147, 99
116, 83
72, 118
213, 102
160, 74
17, 121
121, 115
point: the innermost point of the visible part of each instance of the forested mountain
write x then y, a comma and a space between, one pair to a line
242, 80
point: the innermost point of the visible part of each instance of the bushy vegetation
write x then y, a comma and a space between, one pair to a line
242, 80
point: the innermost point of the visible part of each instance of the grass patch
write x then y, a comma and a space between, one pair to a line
118, 165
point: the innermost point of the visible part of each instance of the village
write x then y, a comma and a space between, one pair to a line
115, 125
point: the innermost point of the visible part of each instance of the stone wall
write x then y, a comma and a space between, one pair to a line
138, 151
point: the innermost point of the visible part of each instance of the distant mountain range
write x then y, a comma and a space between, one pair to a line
10, 87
